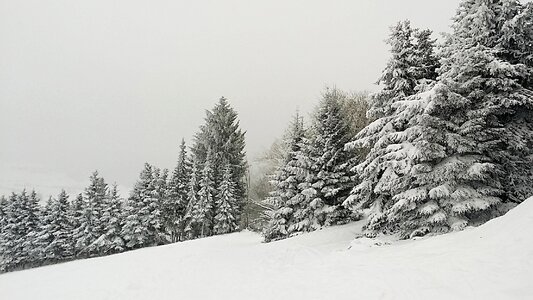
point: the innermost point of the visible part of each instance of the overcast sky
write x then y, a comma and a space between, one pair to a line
108, 85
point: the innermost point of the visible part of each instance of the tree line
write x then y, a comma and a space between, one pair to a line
203, 196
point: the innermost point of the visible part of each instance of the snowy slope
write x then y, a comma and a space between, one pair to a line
494, 261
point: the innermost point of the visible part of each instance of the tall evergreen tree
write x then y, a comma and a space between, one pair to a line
205, 204
192, 226
111, 241
222, 137
56, 232
21, 226
91, 227
285, 183
225, 204
143, 226
388, 139
176, 202
451, 149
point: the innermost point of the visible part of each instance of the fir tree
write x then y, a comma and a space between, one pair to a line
91, 227
176, 203
56, 234
285, 183
111, 241
448, 151
225, 205
222, 137
203, 213
383, 173
192, 227
143, 226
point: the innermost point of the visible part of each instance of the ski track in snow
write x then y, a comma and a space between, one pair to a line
493, 261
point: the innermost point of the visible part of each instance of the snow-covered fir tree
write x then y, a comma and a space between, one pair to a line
203, 210
112, 217
22, 223
388, 158
176, 200
3, 225
222, 137
56, 238
142, 226
285, 183
76, 219
91, 227
327, 163
225, 220
440, 161
192, 226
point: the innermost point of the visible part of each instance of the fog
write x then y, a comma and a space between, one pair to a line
109, 85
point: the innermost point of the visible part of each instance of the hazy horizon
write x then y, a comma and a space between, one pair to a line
109, 86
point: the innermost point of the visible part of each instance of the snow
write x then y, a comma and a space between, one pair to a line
493, 261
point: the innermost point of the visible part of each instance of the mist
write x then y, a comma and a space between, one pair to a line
110, 85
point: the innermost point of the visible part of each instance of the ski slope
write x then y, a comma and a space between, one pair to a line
493, 261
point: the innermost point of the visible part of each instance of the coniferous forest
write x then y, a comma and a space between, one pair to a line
446, 143
202, 196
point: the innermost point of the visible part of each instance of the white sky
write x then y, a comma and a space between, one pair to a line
108, 85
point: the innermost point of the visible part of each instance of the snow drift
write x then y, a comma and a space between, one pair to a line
493, 261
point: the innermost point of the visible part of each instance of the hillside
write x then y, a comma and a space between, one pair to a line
494, 261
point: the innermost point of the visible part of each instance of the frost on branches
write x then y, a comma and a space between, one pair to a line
450, 153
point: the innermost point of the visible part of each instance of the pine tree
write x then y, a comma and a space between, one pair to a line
31, 221
91, 227
142, 227
329, 178
285, 183
56, 231
176, 203
111, 241
222, 137
76, 217
192, 227
225, 205
448, 151
389, 139
3, 228
21, 226
203, 213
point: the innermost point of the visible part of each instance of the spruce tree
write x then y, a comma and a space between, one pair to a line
111, 241
56, 234
203, 213
3, 230
225, 204
176, 201
328, 164
285, 183
451, 151
388, 139
222, 137
31, 221
91, 227
192, 226
143, 226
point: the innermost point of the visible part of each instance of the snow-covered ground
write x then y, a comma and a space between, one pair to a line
494, 261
